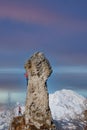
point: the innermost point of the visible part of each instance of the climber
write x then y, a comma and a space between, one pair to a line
26, 76
19, 111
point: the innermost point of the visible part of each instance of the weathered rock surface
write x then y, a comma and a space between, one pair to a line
37, 112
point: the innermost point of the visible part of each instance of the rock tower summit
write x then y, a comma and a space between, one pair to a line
37, 111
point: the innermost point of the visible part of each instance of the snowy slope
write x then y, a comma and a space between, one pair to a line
66, 104
5, 118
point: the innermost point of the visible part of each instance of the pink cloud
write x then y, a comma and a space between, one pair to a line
31, 13
26, 13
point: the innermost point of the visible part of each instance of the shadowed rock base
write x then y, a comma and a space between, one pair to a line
18, 123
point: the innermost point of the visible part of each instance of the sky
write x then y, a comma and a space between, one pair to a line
57, 28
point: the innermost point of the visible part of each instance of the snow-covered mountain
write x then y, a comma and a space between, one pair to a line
66, 107
66, 104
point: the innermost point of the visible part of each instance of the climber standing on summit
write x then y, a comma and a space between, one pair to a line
26, 76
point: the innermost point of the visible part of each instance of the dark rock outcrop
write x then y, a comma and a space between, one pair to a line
18, 123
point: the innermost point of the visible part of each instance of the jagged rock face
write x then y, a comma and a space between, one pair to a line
37, 111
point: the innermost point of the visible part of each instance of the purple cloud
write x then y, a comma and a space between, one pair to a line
26, 14
31, 13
